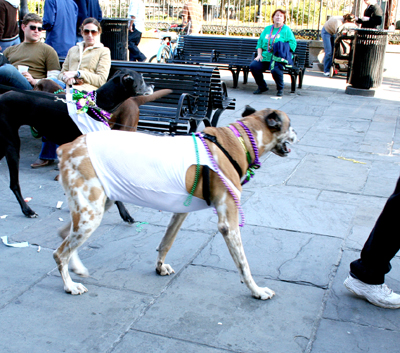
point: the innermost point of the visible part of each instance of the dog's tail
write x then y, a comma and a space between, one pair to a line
140, 100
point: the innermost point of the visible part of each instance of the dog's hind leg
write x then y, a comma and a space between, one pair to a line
228, 225
166, 243
75, 264
123, 212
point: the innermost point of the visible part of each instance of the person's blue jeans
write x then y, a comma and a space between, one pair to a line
5, 44
257, 69
61, 83
10, 76
329, 41
48, 152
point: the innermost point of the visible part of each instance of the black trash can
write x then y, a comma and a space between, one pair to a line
367, 58
115, 37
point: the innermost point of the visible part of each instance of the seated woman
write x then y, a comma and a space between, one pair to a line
86, 68
278, 32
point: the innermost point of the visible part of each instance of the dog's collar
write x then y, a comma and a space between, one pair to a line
252, 165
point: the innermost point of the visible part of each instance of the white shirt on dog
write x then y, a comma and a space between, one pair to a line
82, 120
147, 170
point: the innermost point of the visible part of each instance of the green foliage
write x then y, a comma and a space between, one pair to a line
35, 6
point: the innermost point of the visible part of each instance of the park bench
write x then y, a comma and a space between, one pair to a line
198, 96
234, 54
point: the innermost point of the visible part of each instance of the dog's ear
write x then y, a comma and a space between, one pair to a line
248, 111
273, 121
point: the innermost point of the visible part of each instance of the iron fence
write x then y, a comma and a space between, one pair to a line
233, 17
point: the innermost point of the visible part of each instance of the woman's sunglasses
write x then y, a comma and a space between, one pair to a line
93, 31
34, 28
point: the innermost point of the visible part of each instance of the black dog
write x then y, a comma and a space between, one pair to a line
49, 115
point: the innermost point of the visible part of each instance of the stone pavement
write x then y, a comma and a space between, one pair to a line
307, 216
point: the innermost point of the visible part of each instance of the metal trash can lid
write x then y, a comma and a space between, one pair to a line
114, 20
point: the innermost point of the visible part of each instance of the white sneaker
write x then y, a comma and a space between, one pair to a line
326, 74
379, 295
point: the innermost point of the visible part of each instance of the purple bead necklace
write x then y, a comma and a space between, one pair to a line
215, 165
90, 103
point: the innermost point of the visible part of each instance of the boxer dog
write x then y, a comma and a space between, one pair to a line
49, 115
165, 171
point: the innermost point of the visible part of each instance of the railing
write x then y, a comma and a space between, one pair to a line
233, 17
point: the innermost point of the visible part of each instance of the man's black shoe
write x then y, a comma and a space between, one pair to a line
280, 93
260, 90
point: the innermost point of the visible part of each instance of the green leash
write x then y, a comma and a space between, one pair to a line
188, 201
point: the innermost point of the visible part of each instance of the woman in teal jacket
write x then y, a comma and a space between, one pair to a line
278, 32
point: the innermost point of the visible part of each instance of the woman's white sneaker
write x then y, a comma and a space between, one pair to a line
380, 295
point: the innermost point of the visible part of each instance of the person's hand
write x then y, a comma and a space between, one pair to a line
365, 18
258, 57
29, 77
69, 77
70, 74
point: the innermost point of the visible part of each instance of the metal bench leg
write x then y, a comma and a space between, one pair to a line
301, 76
235, 76
245, 75
293, 78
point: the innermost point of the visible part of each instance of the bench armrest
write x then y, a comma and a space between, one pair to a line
187, 105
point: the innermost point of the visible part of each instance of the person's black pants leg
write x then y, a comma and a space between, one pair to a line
277, 75
133, 41
257, 69
382, 245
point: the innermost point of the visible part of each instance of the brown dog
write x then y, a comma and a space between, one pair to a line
126, 116
47, 85
239, 145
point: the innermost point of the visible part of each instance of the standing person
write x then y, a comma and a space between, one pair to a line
87, 8
86, 68
278, 32
367, 274
59, 21
41, 59
136, 13
9, 31
192, 17
328, 34
372, 15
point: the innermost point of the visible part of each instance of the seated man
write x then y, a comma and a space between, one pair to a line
41, 59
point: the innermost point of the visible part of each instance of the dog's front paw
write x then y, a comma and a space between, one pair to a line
263, 293
165, 270
75, 288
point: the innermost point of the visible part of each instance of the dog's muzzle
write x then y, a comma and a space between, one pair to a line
282, 147
148, 90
